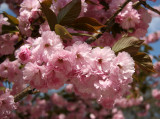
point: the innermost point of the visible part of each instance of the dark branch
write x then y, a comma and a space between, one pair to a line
149, 7
24, 93
108, 24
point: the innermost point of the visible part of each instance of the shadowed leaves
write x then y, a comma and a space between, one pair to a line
69, 13
49, 14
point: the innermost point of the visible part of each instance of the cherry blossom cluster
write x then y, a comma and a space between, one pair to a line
7, 103
50, 65
12, 72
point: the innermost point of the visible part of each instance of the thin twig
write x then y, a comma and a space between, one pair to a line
149, 7
108, 24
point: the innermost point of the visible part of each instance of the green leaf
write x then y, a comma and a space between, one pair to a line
9, 29
11, 19
62, 32
88, 20
144, 61
69, 13
127, 44
50, 15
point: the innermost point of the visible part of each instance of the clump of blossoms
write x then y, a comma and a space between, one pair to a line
50, 66
56, 42
7, 104
124, 103
156, 95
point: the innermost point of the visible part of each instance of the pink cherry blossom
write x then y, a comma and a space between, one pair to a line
34, 75
24, 53
80, 52
123, 67
118, 115
102, 59
6, 44
129, 17
156, 94
30, 5
7, 104
43, 47
54, 80
62, 61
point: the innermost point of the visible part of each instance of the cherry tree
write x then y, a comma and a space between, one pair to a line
78, 59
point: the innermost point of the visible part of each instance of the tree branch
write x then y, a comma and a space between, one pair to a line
108, 24
24, 93
149, 7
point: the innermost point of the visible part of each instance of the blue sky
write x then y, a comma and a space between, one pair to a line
4, 7
153, 3
154, 25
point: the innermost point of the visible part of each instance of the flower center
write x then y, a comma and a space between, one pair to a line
47, 45
119, 66
78, 55
60, 60
100, 61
